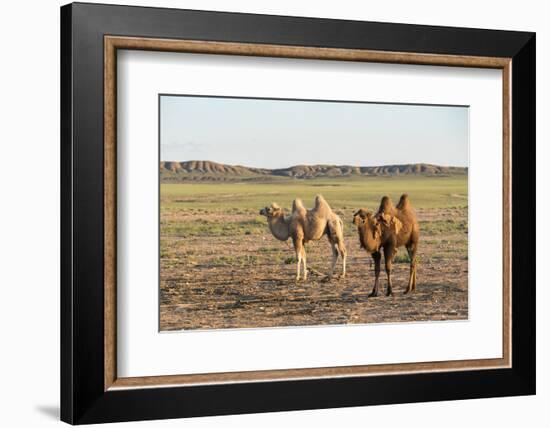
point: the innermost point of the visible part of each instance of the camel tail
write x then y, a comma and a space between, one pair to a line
341, 227
336, 226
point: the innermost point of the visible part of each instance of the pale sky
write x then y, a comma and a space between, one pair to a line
268, 133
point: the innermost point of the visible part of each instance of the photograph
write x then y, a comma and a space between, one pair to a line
293, 212
272, 210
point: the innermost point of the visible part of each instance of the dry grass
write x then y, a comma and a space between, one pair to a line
221, 268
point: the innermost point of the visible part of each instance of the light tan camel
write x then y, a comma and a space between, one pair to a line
304, 225
390, 228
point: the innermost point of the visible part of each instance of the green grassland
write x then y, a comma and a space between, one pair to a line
341, 193
227, 208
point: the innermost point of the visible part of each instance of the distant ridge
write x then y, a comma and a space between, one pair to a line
213, 171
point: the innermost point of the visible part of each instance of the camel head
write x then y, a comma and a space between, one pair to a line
360, 216
363, 218
271, 211
367, 222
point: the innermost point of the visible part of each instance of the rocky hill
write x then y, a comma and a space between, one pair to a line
213, 171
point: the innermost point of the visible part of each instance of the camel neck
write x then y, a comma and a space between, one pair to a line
368, 240
279, 227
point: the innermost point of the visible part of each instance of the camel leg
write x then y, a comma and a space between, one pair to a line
334, 258
298, 248
304, 262
411, 271
343, 253
415, 266
411, 277
388, 258
414, 273
377, 257
411, 250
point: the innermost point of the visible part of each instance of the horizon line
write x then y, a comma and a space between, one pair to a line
319, 164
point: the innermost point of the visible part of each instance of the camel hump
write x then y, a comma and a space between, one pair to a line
386, 206
298, 206
321, 205
319, 200
404, 202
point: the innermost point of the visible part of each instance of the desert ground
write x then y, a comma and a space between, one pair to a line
220, 267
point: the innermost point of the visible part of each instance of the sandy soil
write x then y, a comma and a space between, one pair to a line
236, 280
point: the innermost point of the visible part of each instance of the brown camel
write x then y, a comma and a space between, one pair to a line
390, 228
304, 225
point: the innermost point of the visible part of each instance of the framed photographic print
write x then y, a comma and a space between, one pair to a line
265, 213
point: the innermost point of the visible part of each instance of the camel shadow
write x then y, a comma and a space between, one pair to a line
49, 410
